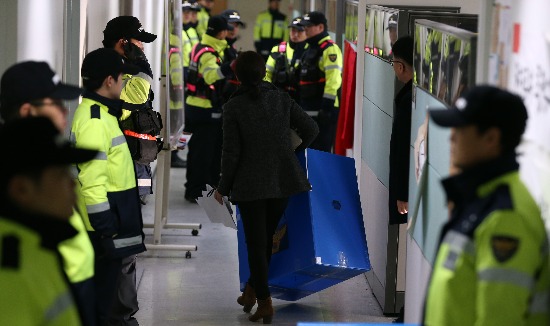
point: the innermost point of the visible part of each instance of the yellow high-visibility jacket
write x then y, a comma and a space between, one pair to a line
34, 290
270, 30
492, 264
108, 197
208, 68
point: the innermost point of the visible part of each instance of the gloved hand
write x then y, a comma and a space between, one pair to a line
226, 69
133, 52
136, 57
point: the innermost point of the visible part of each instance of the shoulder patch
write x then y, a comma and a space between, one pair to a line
9, 258
332, 57
504, 247
95, 112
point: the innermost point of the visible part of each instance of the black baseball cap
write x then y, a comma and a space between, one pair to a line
296, 23
32, 80
103, 62
217, 24
483, 105
34, 143
126, 27
232, 16
314, 18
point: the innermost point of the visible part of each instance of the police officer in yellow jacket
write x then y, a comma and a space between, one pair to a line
175, 64
189, 34
190, 23
282, 66
321, 79
109, 201
140, 123
203, 16
231, 53
492, 263
43, 98
207, 73
37, 198
270, 29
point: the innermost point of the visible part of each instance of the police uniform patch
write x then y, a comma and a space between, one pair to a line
332, 57
504, 247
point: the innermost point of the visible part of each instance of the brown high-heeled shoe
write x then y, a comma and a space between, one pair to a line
265, 311
248, 298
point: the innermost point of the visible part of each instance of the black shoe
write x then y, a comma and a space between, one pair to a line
177, 162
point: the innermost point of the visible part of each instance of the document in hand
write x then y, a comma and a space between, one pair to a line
217, 213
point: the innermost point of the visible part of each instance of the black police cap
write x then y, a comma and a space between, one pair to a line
483, 105
31, 80
126, 27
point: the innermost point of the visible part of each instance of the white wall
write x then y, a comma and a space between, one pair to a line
40, 33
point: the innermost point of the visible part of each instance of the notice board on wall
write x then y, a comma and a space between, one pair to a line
519, 60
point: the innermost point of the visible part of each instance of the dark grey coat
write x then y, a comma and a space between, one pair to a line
257, 159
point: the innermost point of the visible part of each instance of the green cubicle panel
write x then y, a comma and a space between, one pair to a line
429, 145
376, 140
377, 116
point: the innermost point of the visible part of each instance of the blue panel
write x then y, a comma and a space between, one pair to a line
338, 229
316, 248
379, 83
376, 141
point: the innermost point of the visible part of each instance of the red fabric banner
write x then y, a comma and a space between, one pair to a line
344, 130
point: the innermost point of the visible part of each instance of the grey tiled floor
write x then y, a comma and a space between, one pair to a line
202, 290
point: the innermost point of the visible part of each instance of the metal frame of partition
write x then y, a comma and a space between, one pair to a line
163, 161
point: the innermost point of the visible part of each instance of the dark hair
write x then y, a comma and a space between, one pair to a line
403, 48
10, 111
109, 44
510, 133
250, 70
94, 84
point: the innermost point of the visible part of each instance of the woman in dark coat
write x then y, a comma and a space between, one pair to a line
260, 169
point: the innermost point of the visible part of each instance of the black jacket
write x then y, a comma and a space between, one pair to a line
257, 159
400, 145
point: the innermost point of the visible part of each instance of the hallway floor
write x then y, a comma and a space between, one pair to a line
203, 289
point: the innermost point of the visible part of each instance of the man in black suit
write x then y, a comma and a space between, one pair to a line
401, 131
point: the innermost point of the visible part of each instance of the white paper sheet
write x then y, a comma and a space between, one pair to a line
217, 213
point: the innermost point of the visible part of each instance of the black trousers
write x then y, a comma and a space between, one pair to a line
205, 150
125, 304
327, 122
85, 298
115, 287
260, 219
